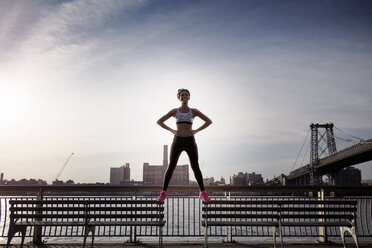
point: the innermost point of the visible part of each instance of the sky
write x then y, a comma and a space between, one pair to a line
93, 77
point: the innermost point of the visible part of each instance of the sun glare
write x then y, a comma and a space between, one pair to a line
12, 104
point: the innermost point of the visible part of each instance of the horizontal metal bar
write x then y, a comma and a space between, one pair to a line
284, 209
282, 202
7, 189
185, 219
90, 209
86, 202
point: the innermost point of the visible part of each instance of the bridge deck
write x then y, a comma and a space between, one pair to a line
356, 154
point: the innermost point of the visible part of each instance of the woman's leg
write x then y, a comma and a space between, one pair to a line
192, 152
175, 152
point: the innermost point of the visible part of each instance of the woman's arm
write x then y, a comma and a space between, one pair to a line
161, 121
204, 118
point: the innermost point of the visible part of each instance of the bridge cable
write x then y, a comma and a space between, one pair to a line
346, 140
348, 134
301, 149
334, 136
305, 154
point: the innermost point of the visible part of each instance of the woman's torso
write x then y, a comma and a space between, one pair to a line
184, 121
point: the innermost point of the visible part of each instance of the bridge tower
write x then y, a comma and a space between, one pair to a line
315, 178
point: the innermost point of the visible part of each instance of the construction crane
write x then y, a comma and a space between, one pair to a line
63, 167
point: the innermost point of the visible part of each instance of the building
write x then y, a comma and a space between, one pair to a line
367, 182
348, 177
154, 174
68, 182
25, 182
120, 175
245, 179
222, 181
208, 181
240, 179
132, 183
279, 180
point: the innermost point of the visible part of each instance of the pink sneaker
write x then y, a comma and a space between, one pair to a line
162, 196
204, 196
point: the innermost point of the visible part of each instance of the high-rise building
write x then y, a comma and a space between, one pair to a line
245, 179
240, 179
348, 176
222, 180
208, 180
255, 179
154, 174
120, 175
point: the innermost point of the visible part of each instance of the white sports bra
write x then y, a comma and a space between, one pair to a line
184, 117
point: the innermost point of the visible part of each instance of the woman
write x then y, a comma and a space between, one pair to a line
184, 141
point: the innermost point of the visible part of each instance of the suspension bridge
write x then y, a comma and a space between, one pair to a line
325, 159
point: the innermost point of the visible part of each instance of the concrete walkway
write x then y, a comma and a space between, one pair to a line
190, 245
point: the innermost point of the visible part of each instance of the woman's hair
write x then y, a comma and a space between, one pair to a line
180, 91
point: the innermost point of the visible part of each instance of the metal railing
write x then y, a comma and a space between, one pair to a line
183, 209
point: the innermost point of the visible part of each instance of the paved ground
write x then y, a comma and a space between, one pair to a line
191, 245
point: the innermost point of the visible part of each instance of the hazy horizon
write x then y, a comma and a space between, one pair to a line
93, 77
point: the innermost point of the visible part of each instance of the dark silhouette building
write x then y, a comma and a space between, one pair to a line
246, 179
154, 174
25, 182
120, 175
348, 177
68, 182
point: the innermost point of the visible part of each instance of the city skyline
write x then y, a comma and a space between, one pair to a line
121, 176
93, 77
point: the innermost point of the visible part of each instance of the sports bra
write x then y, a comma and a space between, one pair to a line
184, 117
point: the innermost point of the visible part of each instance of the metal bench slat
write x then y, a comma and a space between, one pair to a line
47, 216
283, 209
42, 202
19, 208
138, 202
314, 209
234, 216
317, 216
155, 202
125, 208
127, 223
241, 223
124, 216
282, 202
325, 223
50, 223
240, 208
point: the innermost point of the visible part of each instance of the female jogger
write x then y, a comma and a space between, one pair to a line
184, 140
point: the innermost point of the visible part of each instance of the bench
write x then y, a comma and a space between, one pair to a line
281, 213
87, 214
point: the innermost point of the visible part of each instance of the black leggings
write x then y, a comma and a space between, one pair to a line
179, 145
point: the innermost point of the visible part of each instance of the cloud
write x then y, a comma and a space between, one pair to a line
98, 74
62, 34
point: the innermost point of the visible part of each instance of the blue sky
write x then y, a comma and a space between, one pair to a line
93, 77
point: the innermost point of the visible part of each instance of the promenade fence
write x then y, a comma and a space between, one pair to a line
183, 209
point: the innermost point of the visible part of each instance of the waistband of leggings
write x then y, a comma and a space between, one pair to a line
184, 138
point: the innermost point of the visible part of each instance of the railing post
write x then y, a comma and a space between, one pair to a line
131, 227
228, 228
135, 227
323, 238
37, 238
